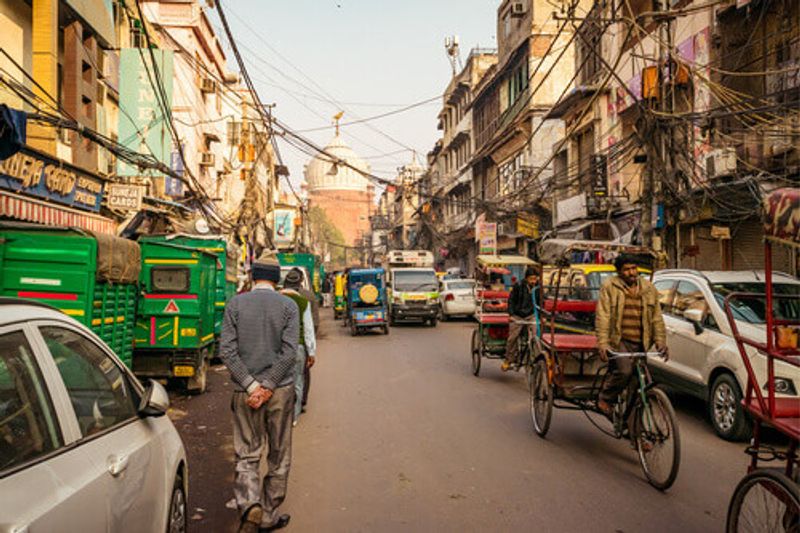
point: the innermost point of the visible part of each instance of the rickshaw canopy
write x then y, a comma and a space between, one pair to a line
554, 250
488, 261
782, 216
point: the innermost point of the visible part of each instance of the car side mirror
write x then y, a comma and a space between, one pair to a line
695, 316
155, 400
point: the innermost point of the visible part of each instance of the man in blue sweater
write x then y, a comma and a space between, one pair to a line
258, 344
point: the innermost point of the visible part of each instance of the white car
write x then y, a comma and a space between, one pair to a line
83, 445
704, 358
457, 297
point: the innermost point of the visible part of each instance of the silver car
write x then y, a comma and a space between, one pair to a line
704, 357
83, 445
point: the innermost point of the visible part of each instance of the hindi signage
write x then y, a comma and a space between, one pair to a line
487, 237
36, 174
528, 225
124, 197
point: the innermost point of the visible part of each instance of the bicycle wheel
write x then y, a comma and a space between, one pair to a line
657, 440
476, 351
541, 394
764, 500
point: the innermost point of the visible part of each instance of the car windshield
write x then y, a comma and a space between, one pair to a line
753, 310
415, 281
456, 285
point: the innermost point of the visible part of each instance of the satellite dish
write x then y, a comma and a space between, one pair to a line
201, 226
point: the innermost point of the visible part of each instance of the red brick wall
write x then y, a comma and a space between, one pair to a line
347, 210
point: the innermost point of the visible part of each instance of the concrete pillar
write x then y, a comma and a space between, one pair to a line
45, 68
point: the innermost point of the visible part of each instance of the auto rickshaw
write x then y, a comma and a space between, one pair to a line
339, 305
366, 300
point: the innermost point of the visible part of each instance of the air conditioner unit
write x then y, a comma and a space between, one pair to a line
207, 85
721, 162
518, 9
207, 159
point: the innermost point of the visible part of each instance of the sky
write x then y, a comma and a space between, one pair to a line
370, 56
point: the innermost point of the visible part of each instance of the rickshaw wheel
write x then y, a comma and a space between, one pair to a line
476, 352
386, 330
657, 439
353, 329
541, 395
764, 500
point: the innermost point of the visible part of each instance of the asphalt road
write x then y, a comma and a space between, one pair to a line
399, 436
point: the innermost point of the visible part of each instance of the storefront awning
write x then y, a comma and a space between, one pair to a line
32, 210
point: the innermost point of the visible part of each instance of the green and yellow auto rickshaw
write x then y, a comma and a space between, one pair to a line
339, 303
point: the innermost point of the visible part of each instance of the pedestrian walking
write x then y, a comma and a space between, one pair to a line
520, 310
327, 287
628, 319
311, 297
307, 345
258, 344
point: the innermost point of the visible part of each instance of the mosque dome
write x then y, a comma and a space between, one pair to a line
322, 173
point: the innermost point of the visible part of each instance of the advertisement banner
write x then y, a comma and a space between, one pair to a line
143, 127
487, 238
284, 226
37, 174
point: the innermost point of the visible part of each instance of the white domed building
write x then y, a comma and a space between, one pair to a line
343, 193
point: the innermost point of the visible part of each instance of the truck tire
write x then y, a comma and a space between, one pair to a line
198, 383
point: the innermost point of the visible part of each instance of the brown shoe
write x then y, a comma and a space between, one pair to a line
251, 519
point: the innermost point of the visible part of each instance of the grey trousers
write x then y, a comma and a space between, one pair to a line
299, 380
268, 428
619, 372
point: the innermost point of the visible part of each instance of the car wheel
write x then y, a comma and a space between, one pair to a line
177, 508
725, 409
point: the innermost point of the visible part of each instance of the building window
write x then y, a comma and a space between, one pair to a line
589, 46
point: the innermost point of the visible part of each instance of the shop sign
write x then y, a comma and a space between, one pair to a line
571, 208
36, 174
528, 225
124, 197
487, 237
720, 232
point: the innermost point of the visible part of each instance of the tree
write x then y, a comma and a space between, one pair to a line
325, 236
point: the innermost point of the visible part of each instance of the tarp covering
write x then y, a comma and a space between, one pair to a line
782, 216
552, 250
118, 260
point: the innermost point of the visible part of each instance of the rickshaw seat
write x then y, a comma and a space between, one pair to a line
571, 306
569, 342
784, 408
501, 307
493, 295
494, 319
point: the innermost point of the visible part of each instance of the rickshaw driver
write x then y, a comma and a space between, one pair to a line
520, 310
628, 319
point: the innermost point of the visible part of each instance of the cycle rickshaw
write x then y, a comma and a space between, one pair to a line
566, 372
497, 274
768, 499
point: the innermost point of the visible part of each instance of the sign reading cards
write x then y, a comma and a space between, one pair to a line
36, 174
124, 197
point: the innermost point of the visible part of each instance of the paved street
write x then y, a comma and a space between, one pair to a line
400, 436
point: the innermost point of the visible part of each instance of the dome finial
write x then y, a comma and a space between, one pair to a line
336, 118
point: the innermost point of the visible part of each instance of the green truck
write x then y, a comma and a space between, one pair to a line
175, 330
90, 277
226, 280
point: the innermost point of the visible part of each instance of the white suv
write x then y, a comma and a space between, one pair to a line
83, 445
704, 358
